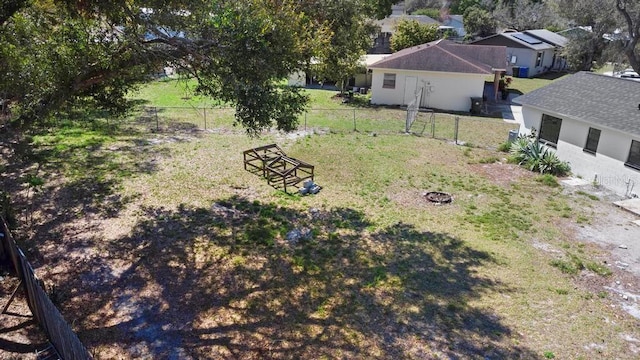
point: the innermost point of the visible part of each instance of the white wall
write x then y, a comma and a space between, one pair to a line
298, 78
527, 58
447, 91
606, 165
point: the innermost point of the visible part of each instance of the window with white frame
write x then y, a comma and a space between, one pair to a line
389, 81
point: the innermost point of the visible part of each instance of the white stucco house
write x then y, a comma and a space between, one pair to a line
443, 74
593, 122
531, 52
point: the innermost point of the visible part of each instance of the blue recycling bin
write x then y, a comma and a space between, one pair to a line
524, 72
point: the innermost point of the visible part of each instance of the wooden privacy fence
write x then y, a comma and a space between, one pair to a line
60, 334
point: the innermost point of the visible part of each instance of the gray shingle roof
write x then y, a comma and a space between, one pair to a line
548, 36
447, 56
598, 99
509, 36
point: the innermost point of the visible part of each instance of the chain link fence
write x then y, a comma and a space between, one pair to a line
472, 131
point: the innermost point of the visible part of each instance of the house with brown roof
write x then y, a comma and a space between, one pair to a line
440, 75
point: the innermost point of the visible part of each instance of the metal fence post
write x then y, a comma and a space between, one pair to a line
155, 108
354, 120
204, 110
305, 121
455, 134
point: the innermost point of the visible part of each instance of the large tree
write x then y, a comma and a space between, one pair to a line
629, 10
410, 33
350, 32
524, 14
479, 22
56, 53
604, 18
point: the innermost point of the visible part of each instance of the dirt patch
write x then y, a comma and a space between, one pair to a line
20, 336
612, 230
502, 174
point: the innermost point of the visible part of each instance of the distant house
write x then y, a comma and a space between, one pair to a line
531, 52
440, 74
382, 43
593, 122
457, 23
362, 79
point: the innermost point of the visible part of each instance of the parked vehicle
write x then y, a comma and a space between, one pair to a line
628, 74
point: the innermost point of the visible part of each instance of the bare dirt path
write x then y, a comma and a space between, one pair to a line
613, 229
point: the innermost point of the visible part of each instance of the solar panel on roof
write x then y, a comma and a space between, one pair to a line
526, 38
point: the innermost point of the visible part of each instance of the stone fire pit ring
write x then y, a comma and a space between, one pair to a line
438, 197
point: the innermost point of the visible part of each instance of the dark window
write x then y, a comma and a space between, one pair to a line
634, 155
389, 81
550, 130
592, 140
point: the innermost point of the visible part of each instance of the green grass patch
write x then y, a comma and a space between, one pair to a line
588, 195
572, 264
548, 180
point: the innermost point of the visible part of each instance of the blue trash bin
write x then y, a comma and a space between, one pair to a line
524, 72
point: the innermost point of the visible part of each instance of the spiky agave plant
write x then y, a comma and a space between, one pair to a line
519, 150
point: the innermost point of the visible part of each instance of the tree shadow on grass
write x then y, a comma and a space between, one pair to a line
19, 332
69, 172
232, 281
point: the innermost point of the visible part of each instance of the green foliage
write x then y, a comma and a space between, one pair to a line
548, 179
573, 264
349, 33
461, 6
598, 268
479, 21
505, 147
590, 196
49, 62
531, 154
489, 160
549, 355
57, 56
411, 33
525, 14
433, 13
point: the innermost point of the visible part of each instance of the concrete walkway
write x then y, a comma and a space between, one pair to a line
631, 205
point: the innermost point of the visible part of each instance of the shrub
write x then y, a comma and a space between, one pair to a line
505, 147
536, 157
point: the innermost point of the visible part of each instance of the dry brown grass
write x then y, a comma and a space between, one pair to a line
190, 257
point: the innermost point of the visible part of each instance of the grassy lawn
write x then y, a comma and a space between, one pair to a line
326, 113
163, 246
525, 85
